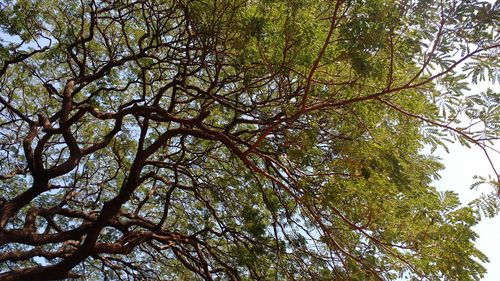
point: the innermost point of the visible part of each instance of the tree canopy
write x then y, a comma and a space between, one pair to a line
241, 139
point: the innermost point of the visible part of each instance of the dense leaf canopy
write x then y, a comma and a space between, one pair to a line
241, 139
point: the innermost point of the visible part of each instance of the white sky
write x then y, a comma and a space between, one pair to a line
461, 165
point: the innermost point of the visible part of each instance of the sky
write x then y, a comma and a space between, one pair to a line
461, 165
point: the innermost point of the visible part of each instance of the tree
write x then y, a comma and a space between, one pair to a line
240, 140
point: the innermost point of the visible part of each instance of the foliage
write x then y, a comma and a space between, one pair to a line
241, 140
